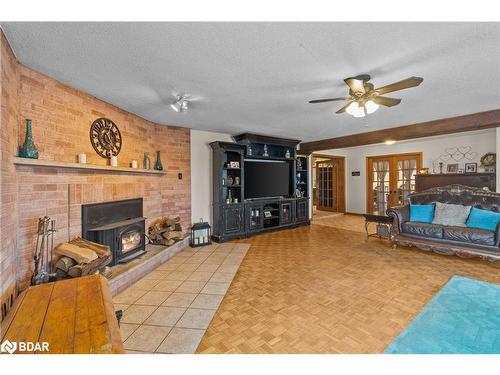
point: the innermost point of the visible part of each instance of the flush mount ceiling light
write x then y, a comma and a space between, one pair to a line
390, 142
180, 104
364, 98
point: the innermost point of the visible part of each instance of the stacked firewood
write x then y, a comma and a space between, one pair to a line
80, 257
165, 231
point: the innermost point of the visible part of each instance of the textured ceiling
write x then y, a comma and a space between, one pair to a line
258, 77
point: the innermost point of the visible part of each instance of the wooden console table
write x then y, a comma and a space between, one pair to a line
72, 316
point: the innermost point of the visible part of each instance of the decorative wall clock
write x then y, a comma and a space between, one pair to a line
105, 137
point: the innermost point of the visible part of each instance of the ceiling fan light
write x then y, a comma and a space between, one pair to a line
354, 109
180, 104
371, 106
175, 106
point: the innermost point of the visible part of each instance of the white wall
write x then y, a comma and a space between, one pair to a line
481, 142
201, 173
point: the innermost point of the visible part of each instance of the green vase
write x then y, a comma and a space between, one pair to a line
28, 149
158, 165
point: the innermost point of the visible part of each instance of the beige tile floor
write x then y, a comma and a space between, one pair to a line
169, 309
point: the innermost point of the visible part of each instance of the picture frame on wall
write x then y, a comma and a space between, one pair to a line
452, 168
470, 167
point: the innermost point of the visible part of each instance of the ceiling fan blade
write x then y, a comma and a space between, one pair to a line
401, 85
388, 102
329, 100
342, 110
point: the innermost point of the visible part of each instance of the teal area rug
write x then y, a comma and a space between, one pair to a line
462, 318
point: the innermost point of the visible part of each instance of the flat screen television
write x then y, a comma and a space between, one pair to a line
264, 179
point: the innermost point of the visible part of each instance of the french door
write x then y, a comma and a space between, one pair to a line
391, 178
330, 185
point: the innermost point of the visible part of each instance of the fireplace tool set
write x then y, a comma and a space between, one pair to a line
43, 252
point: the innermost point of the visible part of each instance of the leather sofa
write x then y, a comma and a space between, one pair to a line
449, 240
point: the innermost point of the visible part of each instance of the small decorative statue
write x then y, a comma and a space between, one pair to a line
249, 151
441, 167
147, 161
28, 149
287, 154
265, 151
158, 165
299, 164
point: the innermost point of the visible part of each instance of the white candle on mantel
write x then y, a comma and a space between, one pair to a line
82, 158
134, 163
114, 161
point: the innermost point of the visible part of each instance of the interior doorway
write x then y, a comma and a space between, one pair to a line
390, 179
328, 183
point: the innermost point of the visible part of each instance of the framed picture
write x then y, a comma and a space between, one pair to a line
470, 167
460, 171
453, 168
234, 164
424, 171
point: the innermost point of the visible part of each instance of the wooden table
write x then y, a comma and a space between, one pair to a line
72, 316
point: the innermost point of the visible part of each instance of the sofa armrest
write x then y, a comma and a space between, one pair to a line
497, 235
399, 215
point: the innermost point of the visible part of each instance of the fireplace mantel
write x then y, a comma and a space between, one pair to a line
63, 164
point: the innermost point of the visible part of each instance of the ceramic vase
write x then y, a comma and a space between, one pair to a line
158, 165
28, 149
147, 161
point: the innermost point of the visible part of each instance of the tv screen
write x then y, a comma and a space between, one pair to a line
266, 179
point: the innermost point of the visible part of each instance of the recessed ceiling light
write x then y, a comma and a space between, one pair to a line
390, 142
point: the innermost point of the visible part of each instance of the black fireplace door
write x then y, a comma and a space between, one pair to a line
130, 239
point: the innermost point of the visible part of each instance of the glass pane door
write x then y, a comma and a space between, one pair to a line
325, 184
406, 171
380, 186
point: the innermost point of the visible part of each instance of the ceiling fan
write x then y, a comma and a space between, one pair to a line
364, 99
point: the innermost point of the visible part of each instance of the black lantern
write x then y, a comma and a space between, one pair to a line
201, 234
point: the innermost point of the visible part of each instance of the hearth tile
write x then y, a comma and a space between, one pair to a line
217, 261
156, 275
206, 250
215, 288
129, 296
153, 297
126, 329
187, 267
168, 267
165, 316
194, 261
179, 299
207, 267
146, 338
121, 306
144, 284
137, 314
178, 275
200, 276
228, 268
207, 301
196, 318
181, 341
183, 254
177, 260
191, 287
167, 285
221, 277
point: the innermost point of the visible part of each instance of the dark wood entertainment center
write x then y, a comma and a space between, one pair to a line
235, 216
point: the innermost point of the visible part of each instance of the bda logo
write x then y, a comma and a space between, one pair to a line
8, 347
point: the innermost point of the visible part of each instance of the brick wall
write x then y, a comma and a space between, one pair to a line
9, 83
61, 118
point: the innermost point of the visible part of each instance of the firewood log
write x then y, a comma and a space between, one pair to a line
100, 250
65, 263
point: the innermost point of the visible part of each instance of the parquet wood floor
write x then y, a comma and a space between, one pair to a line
319, 289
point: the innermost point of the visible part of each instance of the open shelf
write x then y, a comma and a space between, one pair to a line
64, 164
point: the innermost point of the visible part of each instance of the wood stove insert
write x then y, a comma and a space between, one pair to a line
118, 224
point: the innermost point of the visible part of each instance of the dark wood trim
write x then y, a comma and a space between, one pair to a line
475, 121
352, 213
340, 180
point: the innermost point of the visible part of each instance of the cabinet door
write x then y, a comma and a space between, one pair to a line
254, 217
286, 215
232, 218
302, 212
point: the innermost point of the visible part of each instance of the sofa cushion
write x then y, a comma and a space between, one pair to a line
422, 213
470, 235
423, 229
451, 214
483, 219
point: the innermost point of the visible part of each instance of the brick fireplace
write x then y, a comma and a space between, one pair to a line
61, 118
